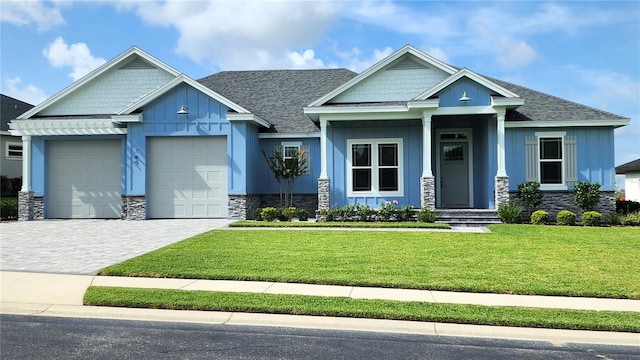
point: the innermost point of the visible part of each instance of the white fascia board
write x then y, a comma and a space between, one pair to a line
506, 102
465, 110
407, 49
132, 118
424, 104
567, 123
355, 109
248, 117
464, 72
182, 78
289, 135
97, 72
44, 127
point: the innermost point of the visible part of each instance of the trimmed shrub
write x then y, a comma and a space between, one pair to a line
566, 217
632, 219
8, 209
257, 214
365, 212
303, 215
591, 218
289, 213
426, 215
540, 217
510, 212
405, 213
270, 214
530, 194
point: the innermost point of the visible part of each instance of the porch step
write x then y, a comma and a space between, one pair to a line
467, 217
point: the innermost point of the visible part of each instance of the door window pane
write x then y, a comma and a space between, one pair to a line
453, 153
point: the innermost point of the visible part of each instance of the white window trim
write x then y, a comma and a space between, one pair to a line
374, 168
6, 150
298, 145
547, 135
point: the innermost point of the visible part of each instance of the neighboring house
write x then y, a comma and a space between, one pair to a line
11, 146
631, 172
137, 139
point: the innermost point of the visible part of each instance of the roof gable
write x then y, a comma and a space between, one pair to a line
468, 74
11, 109
631, 166
108, 89
408, 60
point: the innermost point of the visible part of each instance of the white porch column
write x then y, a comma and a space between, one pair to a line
426, 144
26, 163
323, 149
502, 170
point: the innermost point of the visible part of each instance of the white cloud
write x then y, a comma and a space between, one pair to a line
24, 13
241, 34
438, 53
351, 59
514, 53
29, 93
306, 60
77, 56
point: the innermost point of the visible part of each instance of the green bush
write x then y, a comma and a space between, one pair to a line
365, 212
388, 210
591, 218
8, 209
509, 212
540, 217
566, 217
587, 195
405, 213
632, 219
270, 214
257, 214
289, 213
426, 215
530, 194
303, 215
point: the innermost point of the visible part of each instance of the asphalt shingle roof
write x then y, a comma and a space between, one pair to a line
278, 96
630, 166
10, 109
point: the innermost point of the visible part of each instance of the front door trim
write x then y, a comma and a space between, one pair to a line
469, 141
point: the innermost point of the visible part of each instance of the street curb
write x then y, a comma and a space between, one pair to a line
554, 336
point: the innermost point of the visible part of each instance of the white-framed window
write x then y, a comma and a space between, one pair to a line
291, 149
551, 160
375, 167
13, 150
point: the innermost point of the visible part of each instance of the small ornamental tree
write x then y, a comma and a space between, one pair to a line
530, 194
286, 171
587, 195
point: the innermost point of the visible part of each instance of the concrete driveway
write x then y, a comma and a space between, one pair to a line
86, 246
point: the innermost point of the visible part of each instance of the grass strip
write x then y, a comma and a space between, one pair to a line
339, 224
513, 259
363, 308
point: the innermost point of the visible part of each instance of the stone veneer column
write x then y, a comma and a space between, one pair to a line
428, 192
134, 207
241, 207
25, 205
501, 190
324, 199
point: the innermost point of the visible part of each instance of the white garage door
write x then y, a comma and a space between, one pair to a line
83, 179
187, 177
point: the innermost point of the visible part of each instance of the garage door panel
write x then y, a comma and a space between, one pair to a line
83, 179
187, 177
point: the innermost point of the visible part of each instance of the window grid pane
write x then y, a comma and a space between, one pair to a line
388, 179
361, 179
361, 154
388, 154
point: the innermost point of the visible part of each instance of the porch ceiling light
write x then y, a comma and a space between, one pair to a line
464, 97
183, 110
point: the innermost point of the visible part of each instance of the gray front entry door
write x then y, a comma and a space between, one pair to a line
454, 174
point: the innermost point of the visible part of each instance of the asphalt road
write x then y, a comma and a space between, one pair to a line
31, 337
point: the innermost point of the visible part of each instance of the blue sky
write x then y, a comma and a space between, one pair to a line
585, 51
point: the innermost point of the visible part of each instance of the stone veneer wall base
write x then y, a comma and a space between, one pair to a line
309, 202
557, 200
501, 190
241, 207
134, 207
428, 192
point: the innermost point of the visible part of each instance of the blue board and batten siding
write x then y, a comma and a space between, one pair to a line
478, 94
594, 160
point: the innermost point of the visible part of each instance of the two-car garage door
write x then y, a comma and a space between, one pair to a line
186, 177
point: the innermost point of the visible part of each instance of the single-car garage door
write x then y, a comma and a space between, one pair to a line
83, 179
187, 177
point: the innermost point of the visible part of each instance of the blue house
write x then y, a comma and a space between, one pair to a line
136, 139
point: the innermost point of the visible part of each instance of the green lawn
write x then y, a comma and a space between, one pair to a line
546, 260
362, 308
339, 224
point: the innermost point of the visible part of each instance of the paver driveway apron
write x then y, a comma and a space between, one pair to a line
86, 246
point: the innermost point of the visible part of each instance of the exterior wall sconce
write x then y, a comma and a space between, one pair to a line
184, 110
464, 97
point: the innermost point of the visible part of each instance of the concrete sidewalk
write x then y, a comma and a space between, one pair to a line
61, 295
